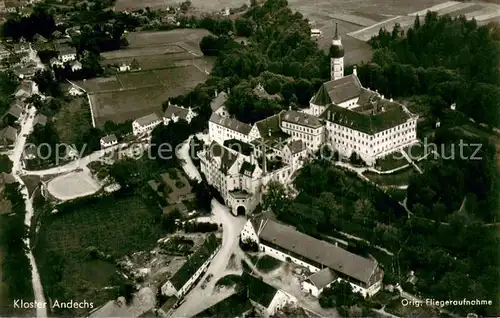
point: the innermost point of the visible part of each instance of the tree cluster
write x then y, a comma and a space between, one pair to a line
453, 60
39, 22
331, 200
341, 297
16, 269
200, 227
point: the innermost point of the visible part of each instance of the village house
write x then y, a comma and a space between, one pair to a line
145, 124
40, 119
266, 299
21, 47
285, 243
4, 52
74, 91
24, 90
14, 113
26, 72
108, 141
196, 265
173, 113
124, 67
66, 53
75, 66
218, 104
8, 136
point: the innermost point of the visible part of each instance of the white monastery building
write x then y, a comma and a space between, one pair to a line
108, 141
328, 263
342, 114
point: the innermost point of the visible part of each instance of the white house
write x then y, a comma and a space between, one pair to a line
174, 113
75, 66
285, 243
145, 124
266, 299
66, 53
108, 141
196, 265
124, 67
73, 91
218, 104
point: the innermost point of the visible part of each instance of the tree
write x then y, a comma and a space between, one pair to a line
185, 6
47, 84
135, 65
124, 171
5, 164
244, 27
276, 198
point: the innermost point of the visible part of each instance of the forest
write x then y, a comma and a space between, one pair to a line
449, 60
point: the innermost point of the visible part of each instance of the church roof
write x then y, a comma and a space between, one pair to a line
368, 123
338, 91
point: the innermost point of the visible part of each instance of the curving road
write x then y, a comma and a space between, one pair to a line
26, 127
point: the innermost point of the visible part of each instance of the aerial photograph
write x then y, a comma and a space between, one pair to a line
250, 158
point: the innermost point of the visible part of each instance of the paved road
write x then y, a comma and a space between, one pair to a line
199, 299
26, 127
188, 166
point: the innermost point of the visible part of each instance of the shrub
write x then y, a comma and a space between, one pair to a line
249, 246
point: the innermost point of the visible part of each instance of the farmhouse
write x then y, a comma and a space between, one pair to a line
40, 119
24, 90
75, 66
266, 299
108, 141
218, 104
66, 53
124, 67
74, 91
174, 113
180, 283
145, 124
285, 243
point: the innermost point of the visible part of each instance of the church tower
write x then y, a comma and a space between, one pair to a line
336, 56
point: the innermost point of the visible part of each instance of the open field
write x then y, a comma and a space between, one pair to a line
116, 225
482, 12
73, 120
139, 93
73, 185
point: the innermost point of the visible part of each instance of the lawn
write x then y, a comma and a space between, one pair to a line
267, 264
122, 105
138, 79
416, 151
398, 178
73, 120
100, 84
391, 161
115, 225
229, 281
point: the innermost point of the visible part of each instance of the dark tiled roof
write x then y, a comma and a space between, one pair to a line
64, 49
148, 119
177, 111
15, 110
233, 306
227, 160
338, 91
296, 146
231, 123
322, 278
329, 255
258, 291
302, 119
247, 168
109, 138
194, 262
8, 133
40, 120
269, 125
368, 123
218, 101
